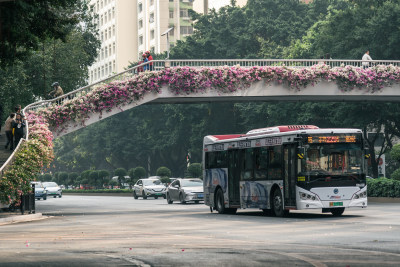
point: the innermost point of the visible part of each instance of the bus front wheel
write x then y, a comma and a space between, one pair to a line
220, 204
277, 204
337, 211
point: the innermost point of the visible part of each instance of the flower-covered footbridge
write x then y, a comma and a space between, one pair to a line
184, 81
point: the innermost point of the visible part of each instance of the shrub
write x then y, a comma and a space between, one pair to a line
383, 187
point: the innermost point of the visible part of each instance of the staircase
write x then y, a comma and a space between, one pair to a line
4, 153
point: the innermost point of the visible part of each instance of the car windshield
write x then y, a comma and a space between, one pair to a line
340, 160
151, 182
192, 182
50, 184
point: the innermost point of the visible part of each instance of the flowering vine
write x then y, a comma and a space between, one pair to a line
29, 159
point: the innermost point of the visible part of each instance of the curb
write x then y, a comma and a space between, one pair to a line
21, 218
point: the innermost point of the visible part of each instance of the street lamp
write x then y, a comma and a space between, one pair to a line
167, 33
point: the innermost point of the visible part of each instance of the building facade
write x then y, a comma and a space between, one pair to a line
116, 22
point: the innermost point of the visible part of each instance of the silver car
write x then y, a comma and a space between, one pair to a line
40, 192
149, 188
53, 189
185, 190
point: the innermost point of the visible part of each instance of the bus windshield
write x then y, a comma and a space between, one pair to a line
332, 160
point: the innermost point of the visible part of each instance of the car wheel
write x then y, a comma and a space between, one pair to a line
44, 198
38, 199
165, 196
60, 196
337, 212
169, 200
54, 196
182, 199
277, 204
156, 197
134, 195
196, 201
144, 195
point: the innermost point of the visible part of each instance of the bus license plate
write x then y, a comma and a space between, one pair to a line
335, 204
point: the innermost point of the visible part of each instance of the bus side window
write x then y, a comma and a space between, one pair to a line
248, 166
261, 163
275, 162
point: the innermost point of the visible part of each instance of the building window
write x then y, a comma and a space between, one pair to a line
184, 13
102, 71
114, 66
151, 34
109, 68
152, 49
140, 8
151, 18
114, 48
113, 12
171, 14
171, 33
186, 29
151, 2
106, 52
109, 50
140, 40
101, 20
102, 53
113, 30
140, 24
109, 32
102, 36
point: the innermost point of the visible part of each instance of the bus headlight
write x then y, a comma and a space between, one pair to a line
306, 196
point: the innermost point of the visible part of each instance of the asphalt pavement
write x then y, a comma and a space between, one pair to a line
121, 231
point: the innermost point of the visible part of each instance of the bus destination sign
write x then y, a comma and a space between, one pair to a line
332, 139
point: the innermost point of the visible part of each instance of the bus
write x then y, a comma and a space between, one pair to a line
283, 168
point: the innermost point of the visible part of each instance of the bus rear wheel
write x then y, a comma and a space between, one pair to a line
277, 204
220, 204
337, 211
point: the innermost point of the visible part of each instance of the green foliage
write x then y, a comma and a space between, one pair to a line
163, 172
395, 152
195, 170
63, 178
73, 177
104, 191
396, 174
383, 187
47, 177
121, 173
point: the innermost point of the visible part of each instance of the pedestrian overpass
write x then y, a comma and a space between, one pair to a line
269, 80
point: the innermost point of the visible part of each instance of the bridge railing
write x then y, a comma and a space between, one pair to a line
198, 63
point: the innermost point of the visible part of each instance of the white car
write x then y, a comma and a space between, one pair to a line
185, 190
149, 188
53, 189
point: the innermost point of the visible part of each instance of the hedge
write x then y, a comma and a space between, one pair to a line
383, 187
107, 191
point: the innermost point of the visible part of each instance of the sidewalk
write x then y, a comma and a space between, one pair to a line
14, 217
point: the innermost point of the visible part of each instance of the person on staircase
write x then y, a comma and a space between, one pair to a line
8, 129
18, 126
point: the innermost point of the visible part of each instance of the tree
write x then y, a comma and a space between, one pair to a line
195, 170
94, 178
72, 177
63, 178
121, 173
47, 177
163, 172
24, 23
104, 177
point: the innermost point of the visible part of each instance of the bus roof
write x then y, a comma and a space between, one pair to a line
276, 131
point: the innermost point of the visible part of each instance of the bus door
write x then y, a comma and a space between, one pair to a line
289, 181
234, 177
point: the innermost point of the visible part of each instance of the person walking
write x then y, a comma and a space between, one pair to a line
366, 60
18, 126
150, 58
8, 129
57, 90
144, 60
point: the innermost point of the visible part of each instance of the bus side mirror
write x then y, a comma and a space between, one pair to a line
300, 152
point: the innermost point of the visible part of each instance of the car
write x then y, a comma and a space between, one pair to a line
53, 189
150, 187
185, 190
40, 191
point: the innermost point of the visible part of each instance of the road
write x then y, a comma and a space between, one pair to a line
121, 231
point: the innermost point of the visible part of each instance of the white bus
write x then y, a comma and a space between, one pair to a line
282, 168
